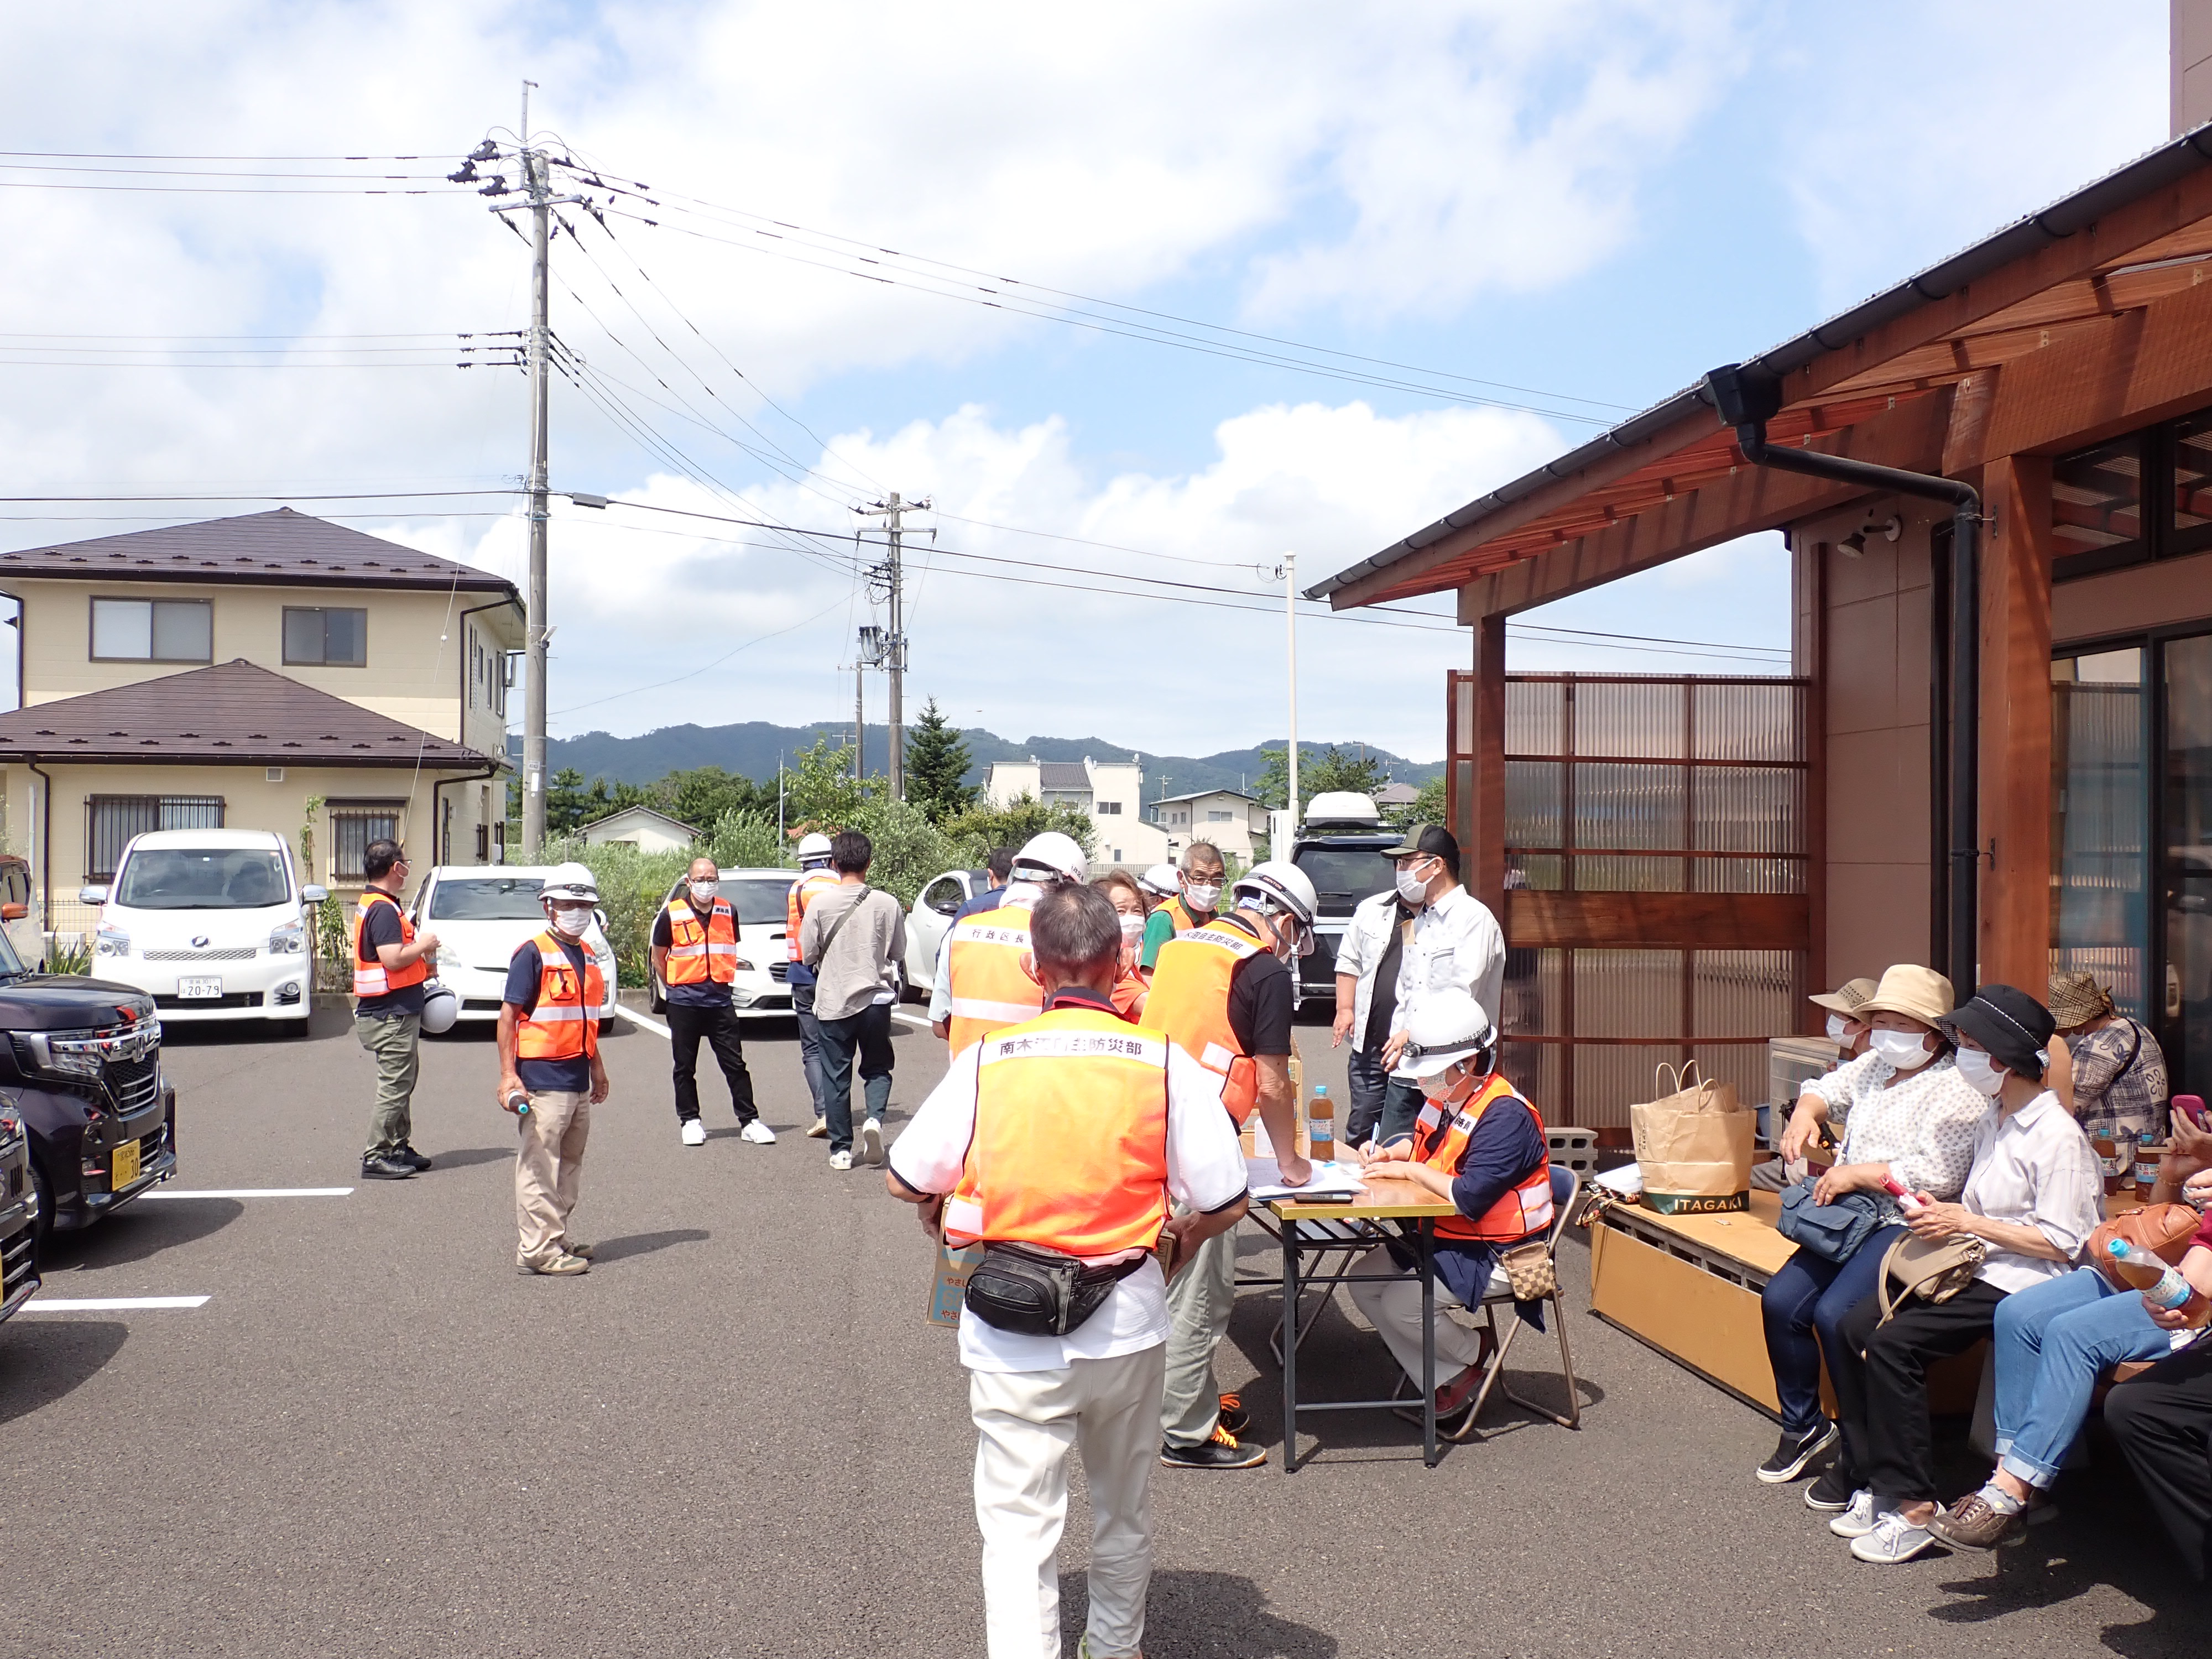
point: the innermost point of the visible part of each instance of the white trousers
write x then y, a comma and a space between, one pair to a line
1395, 1310
1025, 1421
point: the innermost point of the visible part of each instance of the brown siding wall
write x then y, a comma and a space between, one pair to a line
2129, 601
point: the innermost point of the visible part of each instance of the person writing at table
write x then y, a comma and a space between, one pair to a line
1479, 1145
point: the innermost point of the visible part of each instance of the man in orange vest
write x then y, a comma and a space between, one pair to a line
1193, 905
695, 954
550, 1074
1225, 993
390, 961
815, 878
1059, 1143
1481, 1145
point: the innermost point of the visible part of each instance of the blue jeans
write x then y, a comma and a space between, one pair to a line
1803, 1306
809, 1039
2052, 1339
1401, 1104
866, 1035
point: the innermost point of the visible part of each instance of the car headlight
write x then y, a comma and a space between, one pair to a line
111, 942
288, 939
66, 1057
11, 1123
743, 966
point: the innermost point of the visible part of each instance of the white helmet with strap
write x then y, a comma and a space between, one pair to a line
1159, 881
1449, 1026
1276, 887
571, 883
814, 851
1051, 857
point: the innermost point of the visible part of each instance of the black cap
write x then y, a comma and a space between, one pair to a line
2011, 1024
1428, 839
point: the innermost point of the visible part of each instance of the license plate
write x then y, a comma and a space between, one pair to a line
198, 988
123, 1170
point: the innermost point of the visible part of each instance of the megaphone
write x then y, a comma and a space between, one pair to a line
440, 1008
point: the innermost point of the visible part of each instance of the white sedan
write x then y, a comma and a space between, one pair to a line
482, 915
931, 919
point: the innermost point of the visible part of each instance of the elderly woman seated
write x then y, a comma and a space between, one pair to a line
1908, 1116
2118, 1071
1479, 1145
2030, 1198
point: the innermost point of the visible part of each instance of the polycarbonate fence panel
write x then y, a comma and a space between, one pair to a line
1535, 1069
1532, 717
1610, 1078
1750, 722
1743, 1064
1747, 876
1542, 872
1628, 993
1615, 874
1532, 803
1630, 808
1629, 717
1742, 992
1533, 993
1749, 809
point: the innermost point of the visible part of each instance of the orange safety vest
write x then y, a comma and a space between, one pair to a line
1069, 1148
1440, 1142
991, 975
697, 953
1178, 913
1190, 1002
565, 1023
371, 978
804, 891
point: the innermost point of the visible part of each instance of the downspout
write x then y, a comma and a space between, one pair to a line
1747, 396
437, 814
46, 846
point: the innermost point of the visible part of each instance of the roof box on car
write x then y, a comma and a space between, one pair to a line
1342, 807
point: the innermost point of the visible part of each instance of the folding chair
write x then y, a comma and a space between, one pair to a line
1567, 1187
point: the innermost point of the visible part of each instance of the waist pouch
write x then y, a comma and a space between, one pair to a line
1831, 1231
1030, 1290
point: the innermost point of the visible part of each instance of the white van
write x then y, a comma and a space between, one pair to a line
211, 924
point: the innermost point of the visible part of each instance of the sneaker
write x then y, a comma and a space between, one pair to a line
1975, 1524
1893, 1539
407, 1154
872, 1142
1222, 1451
1857, 1521
820, 1131
1452, 1398
840, 1160
386, 1166
1831, 1494
583, 1252
694, 1132
1793, 1452
1234, 1417
560, 1267
758, 1133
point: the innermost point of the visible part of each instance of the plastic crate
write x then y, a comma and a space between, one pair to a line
1574, 1149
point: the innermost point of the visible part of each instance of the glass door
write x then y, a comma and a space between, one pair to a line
2185, 1016
2100, 803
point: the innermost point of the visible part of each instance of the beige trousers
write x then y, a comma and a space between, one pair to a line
549, 1166
1025, 1421
1393, 1307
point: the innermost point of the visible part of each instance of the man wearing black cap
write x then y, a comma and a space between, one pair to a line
1456, 946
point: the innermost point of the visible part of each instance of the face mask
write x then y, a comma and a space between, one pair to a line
1414, 888
1838, 1027
1978, 1069
1446, 1087
1904, 1050
704, 891
1202, 894
570, 924
1133, 929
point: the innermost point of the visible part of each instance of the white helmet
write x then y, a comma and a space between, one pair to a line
1051, 857
813, 851
440, 1008
1159, 881
1448, 1026
572, 882
1277, 885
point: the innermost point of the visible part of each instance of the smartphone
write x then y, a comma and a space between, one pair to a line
2193, 1107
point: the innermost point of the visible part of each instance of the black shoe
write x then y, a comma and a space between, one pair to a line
1793, 1452
1234, 1417
1831, 1493
406, 1154
386, 1166
1223, 1451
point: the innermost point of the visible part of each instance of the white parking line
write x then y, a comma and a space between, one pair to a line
255, 1192
904, 1017
635, 1018
108, 1303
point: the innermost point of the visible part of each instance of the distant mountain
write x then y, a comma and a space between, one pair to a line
754, 747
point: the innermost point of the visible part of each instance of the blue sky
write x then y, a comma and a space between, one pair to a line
1598, 198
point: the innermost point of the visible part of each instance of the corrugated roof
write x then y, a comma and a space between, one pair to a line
263, 548
233, 714
1063, 774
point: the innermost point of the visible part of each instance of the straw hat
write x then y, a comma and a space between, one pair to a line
1920, 993
1846, 999
2076, 998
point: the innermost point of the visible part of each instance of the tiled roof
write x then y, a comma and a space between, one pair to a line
233, 714
1063, 774
280, 548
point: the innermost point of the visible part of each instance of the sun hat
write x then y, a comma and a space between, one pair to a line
1447, 1028
1847, 999
2011, 1024
2076, 998
1920, 993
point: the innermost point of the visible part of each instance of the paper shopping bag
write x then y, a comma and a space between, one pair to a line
1693, 1146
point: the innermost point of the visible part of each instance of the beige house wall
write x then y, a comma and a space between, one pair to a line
422, 648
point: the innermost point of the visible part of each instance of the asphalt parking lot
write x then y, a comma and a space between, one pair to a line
738, 1434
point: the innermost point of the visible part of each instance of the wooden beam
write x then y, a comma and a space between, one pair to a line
1752, 498
1484, 857
1712, 921
2016, 705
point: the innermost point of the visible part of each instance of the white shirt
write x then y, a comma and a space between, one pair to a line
1366, 942
1205, 1172
2034, 1168
1456, 945
1925, 1128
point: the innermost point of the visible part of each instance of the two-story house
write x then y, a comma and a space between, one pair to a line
229, 672
1111, 792
1230, 820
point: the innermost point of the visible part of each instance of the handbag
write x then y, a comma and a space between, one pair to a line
1834, 1230
1030, 1290
1933, 1271
2164, 1230
1529, 1270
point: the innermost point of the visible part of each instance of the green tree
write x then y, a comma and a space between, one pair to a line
1429, 807
1319, 771
820, 790
984, 826
568, 803
937, 764
742, 839
703, 794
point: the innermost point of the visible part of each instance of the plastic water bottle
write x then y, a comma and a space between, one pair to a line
519, 1104
2147, 1156
1321, 1125
2156, 1279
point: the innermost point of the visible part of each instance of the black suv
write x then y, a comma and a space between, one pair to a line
81, 1064
1346, 861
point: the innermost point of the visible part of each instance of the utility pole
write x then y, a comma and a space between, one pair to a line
1291, 629
891, 574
